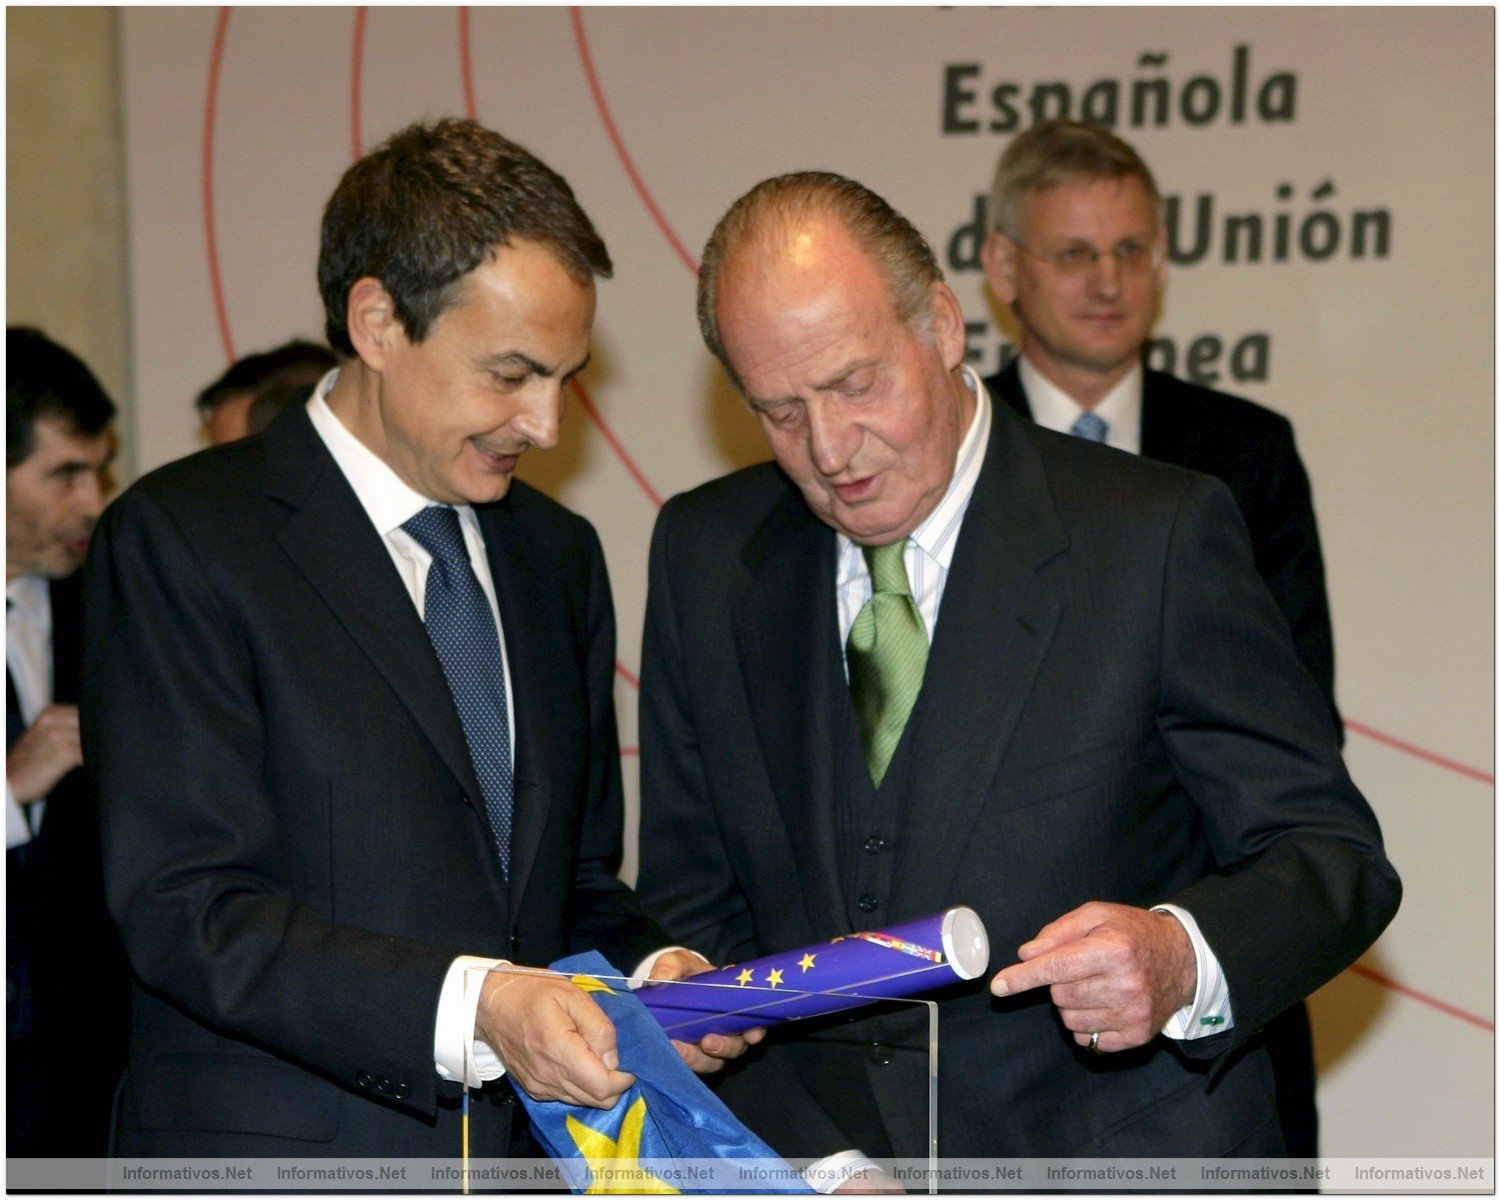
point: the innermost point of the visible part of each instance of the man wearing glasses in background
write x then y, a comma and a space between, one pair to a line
1077, 250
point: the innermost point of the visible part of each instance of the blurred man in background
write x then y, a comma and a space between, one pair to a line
243, 400
67, 987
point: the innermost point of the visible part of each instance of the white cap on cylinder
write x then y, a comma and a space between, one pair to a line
965, 943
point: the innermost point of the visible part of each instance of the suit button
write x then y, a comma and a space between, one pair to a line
401, 1092
504, 1099
868, 903
874, 845
880, 1055
515, 945
383, 1085
363, 1079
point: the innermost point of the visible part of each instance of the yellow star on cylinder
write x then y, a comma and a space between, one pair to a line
806, 962
745, 976
774, 978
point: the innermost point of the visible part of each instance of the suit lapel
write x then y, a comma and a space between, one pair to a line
332, 542
786, 633
1171, 431
66, 598
996, 624
528, 614
15, 724
1163, 436
1006, 387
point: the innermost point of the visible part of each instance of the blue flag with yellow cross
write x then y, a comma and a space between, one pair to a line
668, 1133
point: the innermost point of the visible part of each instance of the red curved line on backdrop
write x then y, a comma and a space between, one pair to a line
1427, 756
624, 673
615, 444
356, 74
466, 63
624, 155
210, 230
672, 239
1365, 972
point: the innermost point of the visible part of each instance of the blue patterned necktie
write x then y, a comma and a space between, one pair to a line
461, 626
1091, 427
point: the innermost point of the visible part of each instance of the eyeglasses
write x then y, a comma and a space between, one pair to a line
1134, 257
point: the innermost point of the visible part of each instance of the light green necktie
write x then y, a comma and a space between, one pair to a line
887, 654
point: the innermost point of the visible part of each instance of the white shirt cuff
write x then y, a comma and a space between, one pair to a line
643, 969
453, 1038
1209, 1013
828, 1174
17, 832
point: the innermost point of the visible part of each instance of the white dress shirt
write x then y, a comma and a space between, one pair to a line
390, 503
28, 658
1053, 408
929, 554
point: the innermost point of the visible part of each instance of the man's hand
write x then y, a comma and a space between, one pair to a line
1117, 971
710, 1054
553, 1039
44, 753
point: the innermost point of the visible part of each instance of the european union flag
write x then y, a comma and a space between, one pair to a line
640, 1146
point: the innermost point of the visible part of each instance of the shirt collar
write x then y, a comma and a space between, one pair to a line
382, 493
938, 533
29, 597
1053, 408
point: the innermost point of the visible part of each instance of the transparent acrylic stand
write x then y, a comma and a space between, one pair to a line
893, 1043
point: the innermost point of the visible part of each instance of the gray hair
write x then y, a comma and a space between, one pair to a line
903, 256
1057, 152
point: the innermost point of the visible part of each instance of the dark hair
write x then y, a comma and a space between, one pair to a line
1056, 152
295, 361
432, 203
778, 205
270, 400
43, 380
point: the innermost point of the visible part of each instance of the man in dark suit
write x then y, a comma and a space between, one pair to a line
59, 445
935, 655
348, 698
1077, 249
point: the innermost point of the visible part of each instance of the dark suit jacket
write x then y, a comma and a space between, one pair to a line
294, 852
56, 926
1252, 450
1112, 710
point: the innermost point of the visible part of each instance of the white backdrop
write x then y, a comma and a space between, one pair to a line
1361, 141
